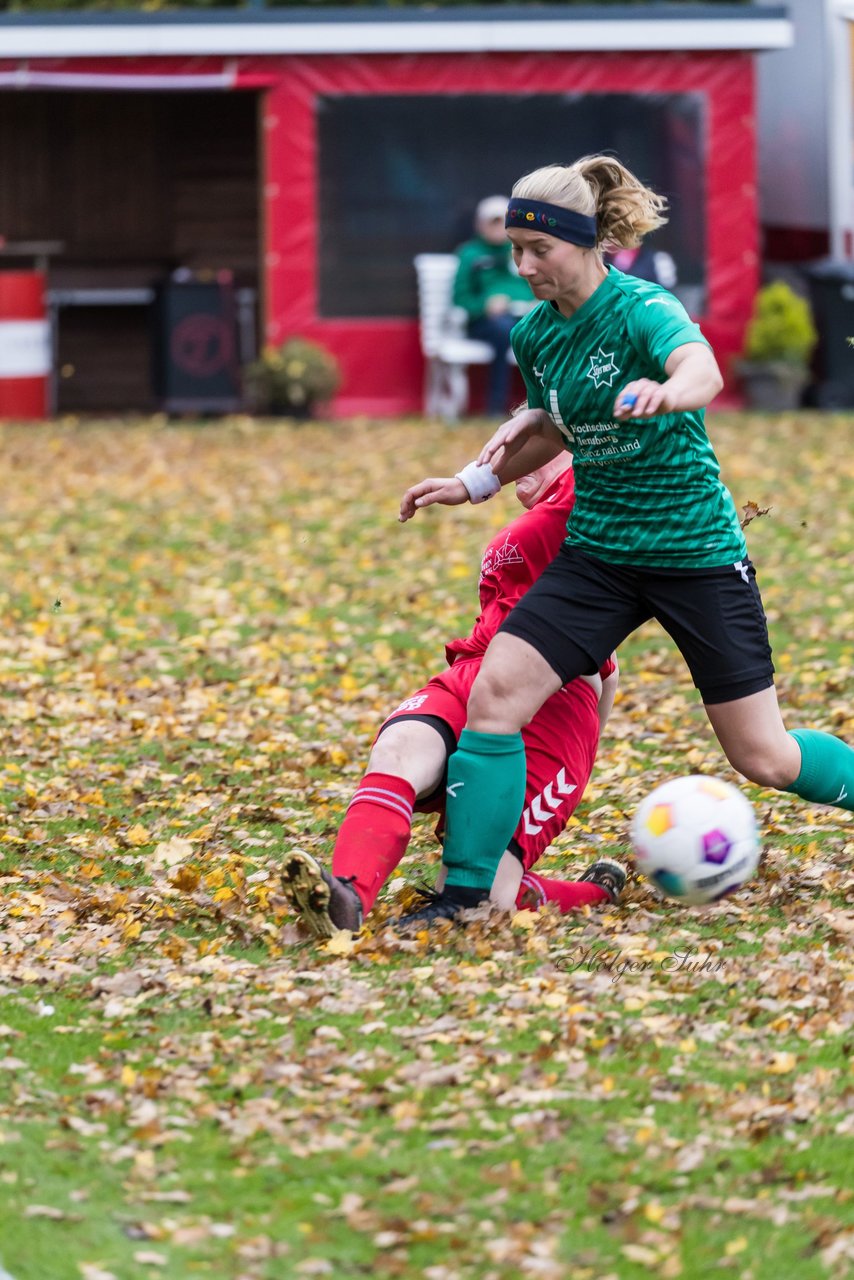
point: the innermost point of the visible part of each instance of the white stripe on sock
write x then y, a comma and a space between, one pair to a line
387, 799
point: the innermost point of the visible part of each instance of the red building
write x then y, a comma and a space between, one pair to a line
313, 154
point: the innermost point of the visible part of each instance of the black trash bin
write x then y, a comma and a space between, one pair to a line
197, 361
831, 285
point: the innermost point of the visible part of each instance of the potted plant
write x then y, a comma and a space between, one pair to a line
778, 343
292, 379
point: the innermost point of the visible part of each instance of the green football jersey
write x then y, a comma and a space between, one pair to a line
486, 270
647, 492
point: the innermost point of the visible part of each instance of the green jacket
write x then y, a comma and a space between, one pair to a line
486, 269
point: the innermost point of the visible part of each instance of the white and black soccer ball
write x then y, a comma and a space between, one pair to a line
695, 839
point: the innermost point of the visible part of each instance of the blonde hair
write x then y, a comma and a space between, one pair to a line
625, 209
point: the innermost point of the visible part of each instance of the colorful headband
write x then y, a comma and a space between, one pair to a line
554, 220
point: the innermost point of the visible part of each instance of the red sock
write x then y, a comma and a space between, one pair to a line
373, 837
535, 891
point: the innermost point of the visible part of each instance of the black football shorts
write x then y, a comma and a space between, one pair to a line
582, 608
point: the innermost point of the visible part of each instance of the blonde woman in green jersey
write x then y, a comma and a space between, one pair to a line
617, 373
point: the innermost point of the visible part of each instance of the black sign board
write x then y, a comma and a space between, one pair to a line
197, 365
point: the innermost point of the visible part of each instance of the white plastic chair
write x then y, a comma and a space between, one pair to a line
447, 351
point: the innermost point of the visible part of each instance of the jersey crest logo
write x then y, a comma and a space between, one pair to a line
412, 704
508, 553
603, 368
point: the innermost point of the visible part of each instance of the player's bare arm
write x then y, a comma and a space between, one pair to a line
525, 442
693, 380
533, 441
447, 490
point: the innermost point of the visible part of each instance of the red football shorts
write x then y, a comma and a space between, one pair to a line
560, 747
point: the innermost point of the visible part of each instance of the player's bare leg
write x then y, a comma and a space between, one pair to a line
806, 762
407, 760
410, 749
505, 886
754, 738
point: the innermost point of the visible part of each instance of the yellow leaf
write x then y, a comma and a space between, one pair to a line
738, 1245
405, 1110
640, 1253
128, 1077
554, 1000
137, 835
144, 1166
186, 879
171, 852
340, 944
93, 797
261, 893
781, 1063
524, 919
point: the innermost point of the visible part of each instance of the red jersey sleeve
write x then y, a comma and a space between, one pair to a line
607, 668
514, 559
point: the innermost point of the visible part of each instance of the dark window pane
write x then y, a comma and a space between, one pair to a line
401, 175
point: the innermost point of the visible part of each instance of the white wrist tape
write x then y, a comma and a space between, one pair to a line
480, 481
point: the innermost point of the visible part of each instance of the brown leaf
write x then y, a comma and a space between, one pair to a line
752, 512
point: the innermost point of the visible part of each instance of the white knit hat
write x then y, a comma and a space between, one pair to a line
490, 208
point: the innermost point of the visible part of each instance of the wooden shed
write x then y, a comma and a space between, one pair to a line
311, 154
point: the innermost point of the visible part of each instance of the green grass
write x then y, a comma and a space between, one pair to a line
188, 1088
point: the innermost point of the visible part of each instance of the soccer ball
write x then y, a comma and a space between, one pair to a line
695, 839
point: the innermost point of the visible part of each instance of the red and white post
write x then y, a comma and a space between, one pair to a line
25, 348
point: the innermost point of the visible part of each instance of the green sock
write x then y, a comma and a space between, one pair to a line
827, 769
486, 793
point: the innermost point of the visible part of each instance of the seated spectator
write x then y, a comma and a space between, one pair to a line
489, 289
646, 263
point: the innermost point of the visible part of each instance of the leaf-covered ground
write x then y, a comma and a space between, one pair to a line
203, 626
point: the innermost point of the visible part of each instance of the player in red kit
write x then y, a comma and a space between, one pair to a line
408, 763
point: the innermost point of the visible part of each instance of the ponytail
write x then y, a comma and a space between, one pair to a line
625, 209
